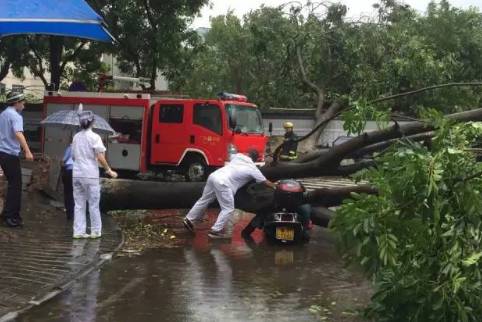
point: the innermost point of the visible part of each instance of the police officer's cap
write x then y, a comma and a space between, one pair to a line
14, 97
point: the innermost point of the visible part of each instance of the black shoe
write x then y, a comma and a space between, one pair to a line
11, 222
19, 220
188, 224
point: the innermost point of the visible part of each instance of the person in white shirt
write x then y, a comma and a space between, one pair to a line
87, 152
222, 185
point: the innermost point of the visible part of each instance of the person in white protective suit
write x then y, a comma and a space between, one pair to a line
87, 152
222, 185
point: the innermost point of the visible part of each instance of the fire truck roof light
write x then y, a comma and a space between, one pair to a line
225, 96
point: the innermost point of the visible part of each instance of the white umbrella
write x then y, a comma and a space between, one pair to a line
70, 119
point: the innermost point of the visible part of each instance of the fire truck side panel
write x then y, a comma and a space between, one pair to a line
166, 133
124, 156
200, 130
207, 131
169, 136
126, 153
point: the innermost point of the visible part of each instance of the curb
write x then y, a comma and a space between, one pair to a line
56, 290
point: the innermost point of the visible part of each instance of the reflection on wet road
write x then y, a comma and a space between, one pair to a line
216, 281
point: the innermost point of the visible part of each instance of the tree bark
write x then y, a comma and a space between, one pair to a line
56, 50
40, 71
134, 194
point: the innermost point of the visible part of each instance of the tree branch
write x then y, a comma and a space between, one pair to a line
385, 144
150, 17
329, 197
346, 170
386, 98
73, 56
40, 72
304, 75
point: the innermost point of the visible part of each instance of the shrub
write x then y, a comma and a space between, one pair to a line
419, 239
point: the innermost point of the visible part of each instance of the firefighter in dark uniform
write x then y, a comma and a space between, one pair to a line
289, 147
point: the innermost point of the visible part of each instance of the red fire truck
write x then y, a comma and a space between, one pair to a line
190, 136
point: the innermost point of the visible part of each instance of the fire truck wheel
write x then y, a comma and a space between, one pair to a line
195, 169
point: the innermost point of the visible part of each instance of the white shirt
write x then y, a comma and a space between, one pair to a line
238, 172
85, 147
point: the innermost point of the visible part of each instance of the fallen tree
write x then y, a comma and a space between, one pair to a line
133, 194
329, 162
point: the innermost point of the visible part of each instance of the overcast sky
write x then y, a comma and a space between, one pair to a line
356, 8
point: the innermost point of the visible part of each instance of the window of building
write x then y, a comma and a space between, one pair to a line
208, 116
17, 88
171, 113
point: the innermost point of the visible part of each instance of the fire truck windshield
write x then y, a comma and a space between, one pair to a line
247, 119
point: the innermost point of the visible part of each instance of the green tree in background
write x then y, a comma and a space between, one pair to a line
12, 56
308, 55
59, 56
403, 51
152, 35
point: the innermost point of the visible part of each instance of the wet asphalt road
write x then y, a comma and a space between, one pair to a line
210, 281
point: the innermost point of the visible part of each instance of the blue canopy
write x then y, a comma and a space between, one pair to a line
70, 18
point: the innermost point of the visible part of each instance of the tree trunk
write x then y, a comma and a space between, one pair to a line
133, 194
4, 69
56, 50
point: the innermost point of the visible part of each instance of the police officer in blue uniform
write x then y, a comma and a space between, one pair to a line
12, 141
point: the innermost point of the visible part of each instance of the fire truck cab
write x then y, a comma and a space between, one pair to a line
190, 136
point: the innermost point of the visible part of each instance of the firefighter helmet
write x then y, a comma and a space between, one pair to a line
288, 125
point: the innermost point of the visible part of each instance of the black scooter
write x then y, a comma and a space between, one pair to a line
286, 223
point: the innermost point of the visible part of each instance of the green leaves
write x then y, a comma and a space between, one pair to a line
472, 259
420, 238
356, 117
398, 51
387, 244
